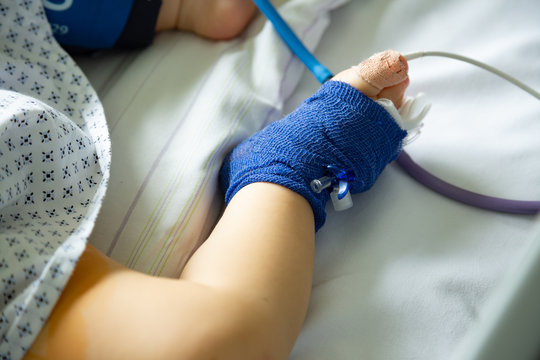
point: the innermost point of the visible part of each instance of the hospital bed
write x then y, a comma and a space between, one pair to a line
406, 273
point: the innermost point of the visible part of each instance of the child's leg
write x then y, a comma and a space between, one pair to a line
214, 19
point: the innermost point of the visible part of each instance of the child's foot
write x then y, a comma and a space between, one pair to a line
213, 19
383, 75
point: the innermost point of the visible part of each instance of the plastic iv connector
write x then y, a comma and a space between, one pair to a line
340, 181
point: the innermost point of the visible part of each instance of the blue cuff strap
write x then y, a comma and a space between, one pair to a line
93, 24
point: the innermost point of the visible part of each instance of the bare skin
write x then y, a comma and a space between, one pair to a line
390, 70
213, 19
243, 295
249, 304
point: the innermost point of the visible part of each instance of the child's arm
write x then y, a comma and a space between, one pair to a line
243, 294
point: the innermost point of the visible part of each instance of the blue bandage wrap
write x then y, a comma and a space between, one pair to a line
337, 126
91, 24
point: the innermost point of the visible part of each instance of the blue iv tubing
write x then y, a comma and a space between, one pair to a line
320, 72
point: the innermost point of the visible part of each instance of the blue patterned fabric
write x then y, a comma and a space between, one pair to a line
337, 126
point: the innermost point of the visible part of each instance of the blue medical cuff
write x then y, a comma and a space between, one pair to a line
336, 126
92, 24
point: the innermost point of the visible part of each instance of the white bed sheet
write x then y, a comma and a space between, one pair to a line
406, 272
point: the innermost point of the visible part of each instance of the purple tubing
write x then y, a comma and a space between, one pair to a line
468, 197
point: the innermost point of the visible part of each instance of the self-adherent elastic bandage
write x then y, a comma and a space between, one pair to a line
337, 126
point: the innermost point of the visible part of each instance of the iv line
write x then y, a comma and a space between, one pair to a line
505, 76
320, 72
